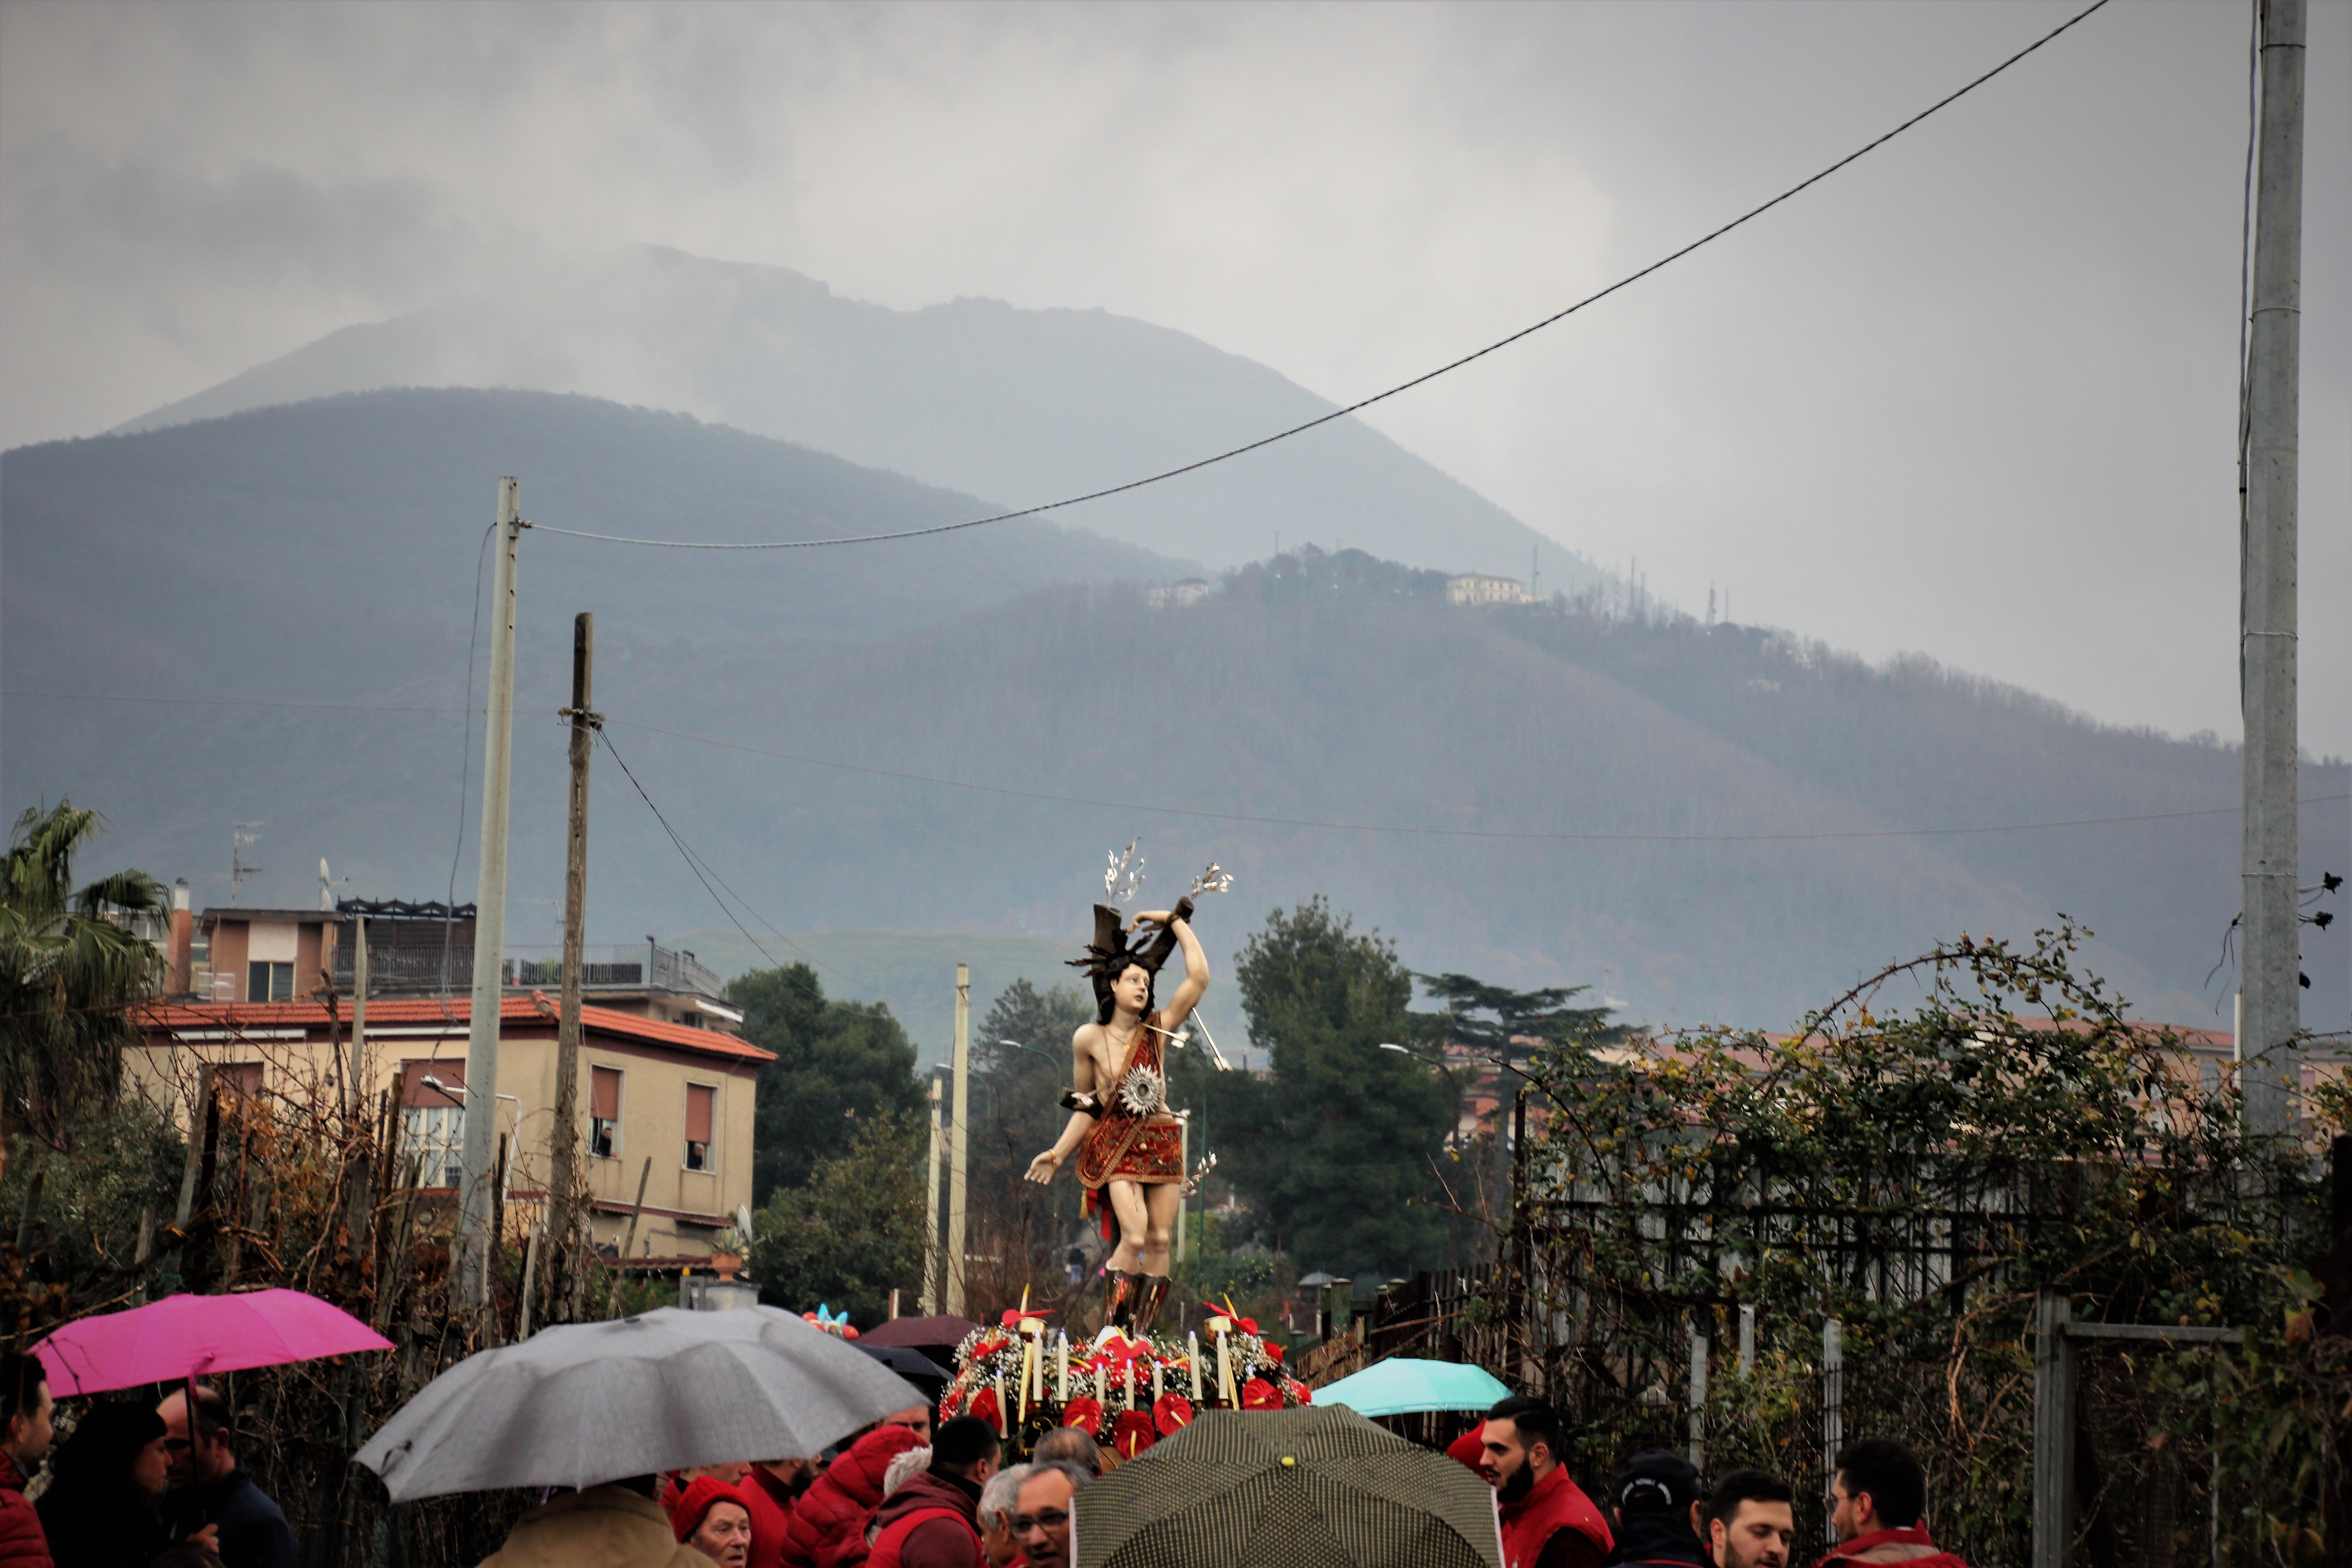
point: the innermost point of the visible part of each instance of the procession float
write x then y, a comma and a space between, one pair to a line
1130, 1384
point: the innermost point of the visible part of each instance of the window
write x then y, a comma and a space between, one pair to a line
270, 983
604, 1112
432, 1121
700, 1103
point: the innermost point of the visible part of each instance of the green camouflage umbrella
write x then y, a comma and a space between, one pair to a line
1312, 1488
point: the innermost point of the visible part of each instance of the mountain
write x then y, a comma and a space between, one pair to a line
1019, 406
944, 735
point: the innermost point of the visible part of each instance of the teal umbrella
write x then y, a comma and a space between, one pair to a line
1401, 1385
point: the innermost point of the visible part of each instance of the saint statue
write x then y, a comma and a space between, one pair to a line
1130, 1149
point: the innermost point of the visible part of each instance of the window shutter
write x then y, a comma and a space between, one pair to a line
698, 1102
604, 1093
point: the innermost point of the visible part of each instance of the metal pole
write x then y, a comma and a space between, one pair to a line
1832, 1403
360, 1080
932, 1267
564, 1159
1747, 1341
2272, 1013
1699, 1401
2054, 1430
959, 1151
475, 1176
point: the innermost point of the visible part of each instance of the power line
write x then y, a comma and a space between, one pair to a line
244, 703
1425, 376
696, 864
1445, 832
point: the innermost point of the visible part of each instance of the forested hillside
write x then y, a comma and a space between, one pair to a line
1707, 822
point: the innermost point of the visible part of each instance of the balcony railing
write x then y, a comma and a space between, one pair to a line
411, 961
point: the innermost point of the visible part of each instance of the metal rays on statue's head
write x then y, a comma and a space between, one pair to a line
1215, 879
1125, 873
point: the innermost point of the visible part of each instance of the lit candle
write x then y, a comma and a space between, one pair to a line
1156, 1389
1061, 1369
1028, 1354
1193, 1342
1102, 1383
1127, 1376
1003, 1410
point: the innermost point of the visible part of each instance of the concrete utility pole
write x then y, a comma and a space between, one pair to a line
2270, 1007
564, 1159
959, 1151
360, 1078
476, 1226
933, 1267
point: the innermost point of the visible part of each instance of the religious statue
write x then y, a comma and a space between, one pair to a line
1129, 1147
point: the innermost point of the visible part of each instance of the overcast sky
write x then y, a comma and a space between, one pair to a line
1973, 398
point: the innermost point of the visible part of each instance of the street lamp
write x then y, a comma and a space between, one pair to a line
429, 1081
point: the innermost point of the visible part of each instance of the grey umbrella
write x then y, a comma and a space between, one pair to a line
594, 1402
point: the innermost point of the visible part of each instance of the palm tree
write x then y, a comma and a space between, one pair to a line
70, 967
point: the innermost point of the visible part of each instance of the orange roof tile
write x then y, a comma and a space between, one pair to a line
390, 1012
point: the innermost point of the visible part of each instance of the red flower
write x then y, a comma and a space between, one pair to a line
1298, 1392
1132, 1434
1084, 1414
984, 1406
1259, 1394
1013, 1315
1275, 1351
1172, 1413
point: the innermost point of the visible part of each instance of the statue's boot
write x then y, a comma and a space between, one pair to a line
1118, 1301
1154, 1291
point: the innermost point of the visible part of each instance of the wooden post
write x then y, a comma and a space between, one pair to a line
629, 1240
563, 1163
2053, 1431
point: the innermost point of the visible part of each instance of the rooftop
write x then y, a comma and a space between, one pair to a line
537, 1008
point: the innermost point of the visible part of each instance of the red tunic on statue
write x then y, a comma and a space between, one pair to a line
1127, 1145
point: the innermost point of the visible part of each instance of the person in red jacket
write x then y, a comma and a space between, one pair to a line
1878, 1499
711, 1516
831, 1516
769, 1492
933, 1520
24, 1433
1547, 1521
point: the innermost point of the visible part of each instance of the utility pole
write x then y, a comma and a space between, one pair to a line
563, 1161
476, 1229
959, 1151
2270, 1007
933, 1267
360, 1079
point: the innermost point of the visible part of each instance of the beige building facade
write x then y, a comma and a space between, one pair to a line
666, 1102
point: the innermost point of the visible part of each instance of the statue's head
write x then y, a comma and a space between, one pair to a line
1123, 975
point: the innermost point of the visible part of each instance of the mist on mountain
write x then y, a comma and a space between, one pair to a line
944, 735
1017, 405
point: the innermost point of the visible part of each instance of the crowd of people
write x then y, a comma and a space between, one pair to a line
160, 1486
137, 1485
1661, 1512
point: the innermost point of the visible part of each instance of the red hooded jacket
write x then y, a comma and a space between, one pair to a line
1912, 1535
771, 1502
831, 1517
1553, 1504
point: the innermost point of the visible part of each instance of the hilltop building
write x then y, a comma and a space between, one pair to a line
1478, 588
1180, 596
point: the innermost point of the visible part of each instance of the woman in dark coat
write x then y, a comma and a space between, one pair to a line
107, 1486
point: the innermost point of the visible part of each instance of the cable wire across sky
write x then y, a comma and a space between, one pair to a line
1360, 403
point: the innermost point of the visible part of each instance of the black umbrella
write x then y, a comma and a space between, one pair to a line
905, 1362
1313, 1488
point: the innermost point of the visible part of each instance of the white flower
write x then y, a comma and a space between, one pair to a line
1142, 1091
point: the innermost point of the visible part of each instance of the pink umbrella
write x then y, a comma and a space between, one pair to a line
189, 1336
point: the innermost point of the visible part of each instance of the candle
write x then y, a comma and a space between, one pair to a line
1127, 1376
1194, 1361
1156, 1390
1061, 1369
1028, 1355
1102, 1383
1003, 1409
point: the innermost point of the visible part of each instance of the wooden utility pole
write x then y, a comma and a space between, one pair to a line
359, 1077
564, 1160
2270, 1009
477, 1227
961, 1150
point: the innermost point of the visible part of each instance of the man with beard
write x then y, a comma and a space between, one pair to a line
1751, 1521
1547, 1521
1653, 1512
1877, 1502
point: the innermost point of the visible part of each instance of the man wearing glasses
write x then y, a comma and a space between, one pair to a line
1041, 1520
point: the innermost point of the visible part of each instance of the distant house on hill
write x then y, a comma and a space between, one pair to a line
1478, 588
1180, 596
